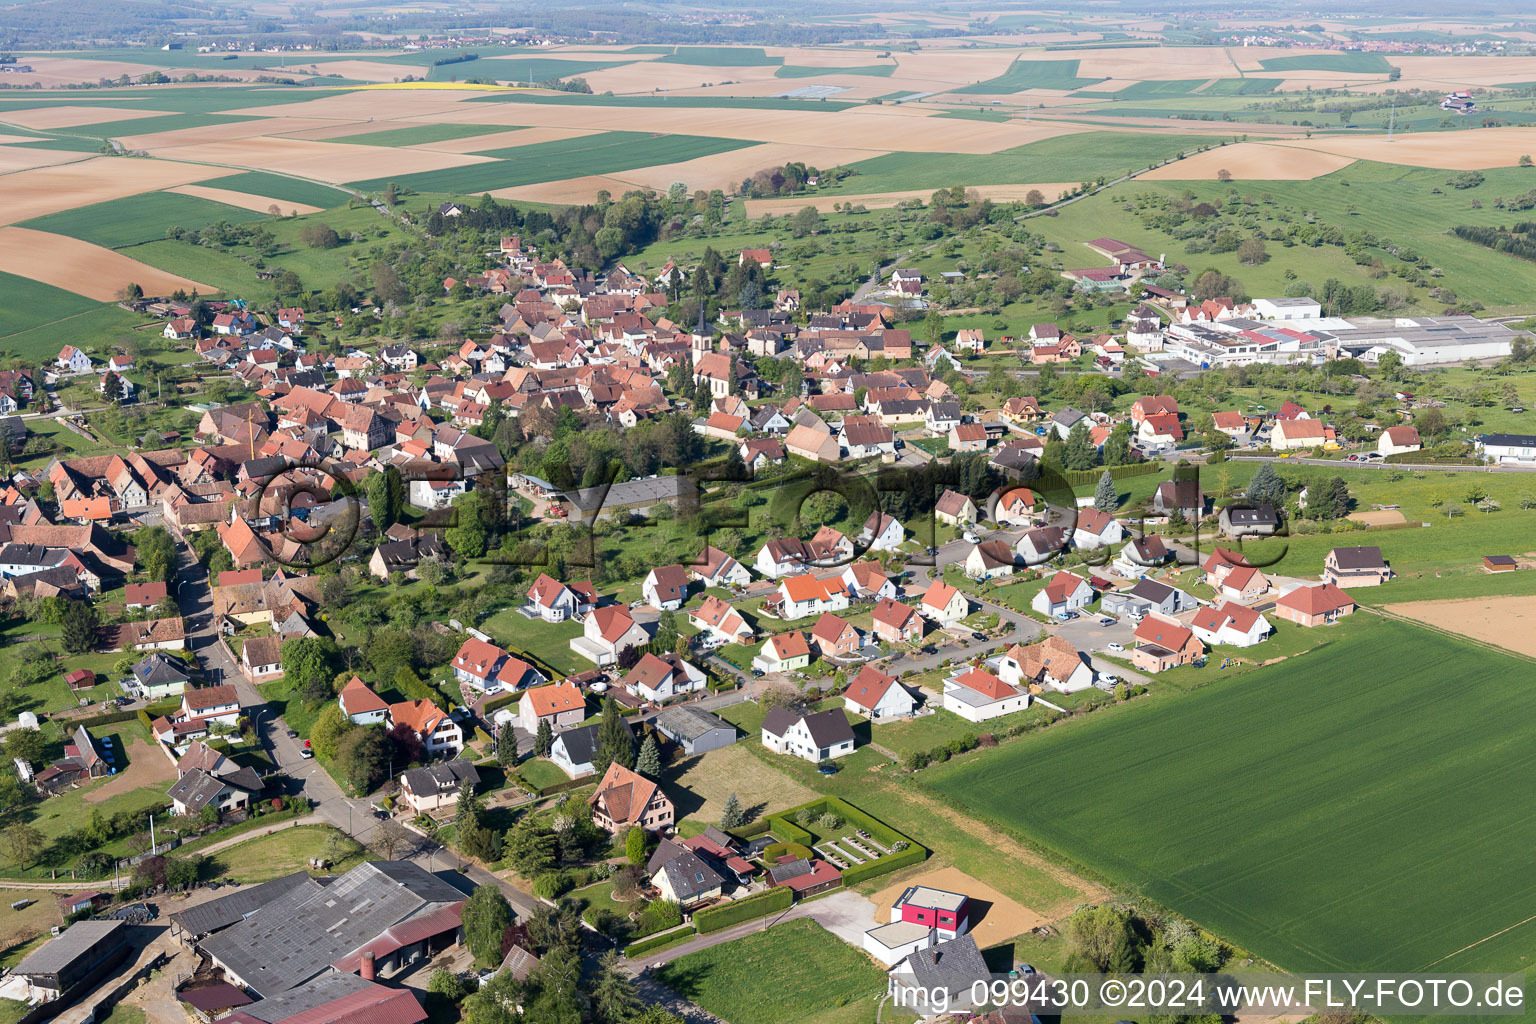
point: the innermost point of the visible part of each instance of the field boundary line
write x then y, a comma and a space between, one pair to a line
1484, 644
1479, 942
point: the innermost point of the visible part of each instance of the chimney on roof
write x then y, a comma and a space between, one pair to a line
367, 968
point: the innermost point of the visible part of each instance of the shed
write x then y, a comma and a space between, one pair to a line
694, 729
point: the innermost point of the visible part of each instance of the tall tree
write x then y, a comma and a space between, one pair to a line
558, 981
731, 815
614, 998
543, 739
614, 740
155, 552
80, 625
530, 849
486, 916
1079, 451
1266, 487
1105, 497
649, 761
506, 746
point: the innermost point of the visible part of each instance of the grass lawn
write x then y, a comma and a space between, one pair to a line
1326, 776
548, 641
140, 218
700, 786
29, 922
764, 978
283, 853
929, 731
539, 772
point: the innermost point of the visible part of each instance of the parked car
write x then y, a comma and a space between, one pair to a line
307, 754
1117, 648
978, 636
1108, 678
1106, 622
971, 538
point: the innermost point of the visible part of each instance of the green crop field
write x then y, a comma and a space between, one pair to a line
797, 71
187, 99
1067, 158
231, 275
139, 218
1352, 63
419, 134
567, 158
102, 322
1240, 87
25, 304
1032, 74
1143, 90
663, 100
150, 125
720, 56
529, 69
762, 978
1320, 816
284, 188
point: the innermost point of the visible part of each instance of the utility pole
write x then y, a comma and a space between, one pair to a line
1392, 119
154, 847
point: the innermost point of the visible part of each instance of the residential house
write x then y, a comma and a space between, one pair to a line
819, 736
1356, 567
682, 876
159, 675
895, 622
1015, 507
574, 751
665, 587
1153, 405
805, 595
977, 695
954, 508
944, 604
140, 596
1096, 529
1249, 520
72, 360
437, 787
812, 444
1042, 544
881, 533
554, 601
435, 728
262, 658
1398, 440
989, 559
1319, 605
783, 653
1162, 644
560, 704
625, 799
489, 669
868, 581
877, 696
715, 568
1183, 496
1291, 434
361, 704
1053, 663
940, 978
1160, 432
1139, 555
781, 556
834, 636
968, 437
1230, 624
716, 618
606, 633
662, 677
1066, 592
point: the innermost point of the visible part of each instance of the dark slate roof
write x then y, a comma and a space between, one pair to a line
581, 743
196, 789
686, 723
298, 935
444, 777
159, 668
1255, 515
324, 989
226, 910
952, 965
1511, 440
1151, 590
786, 870
76, 941
829, 727
689, 876
1366, 557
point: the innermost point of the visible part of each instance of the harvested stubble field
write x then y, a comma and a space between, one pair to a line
81, 267
1252, 161
245, 200
16, 158
1508, 622
324, 161
34, 193
70, 115
1309, 771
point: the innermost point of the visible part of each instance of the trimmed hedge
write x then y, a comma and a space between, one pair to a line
1078, 477
749, 908
673, 937
786, 831
890, 862
782, 823
497, 703
751, 831
110, 718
